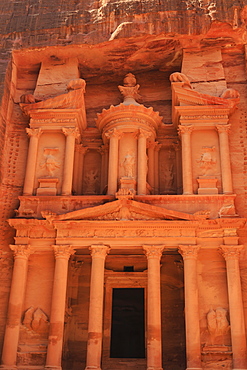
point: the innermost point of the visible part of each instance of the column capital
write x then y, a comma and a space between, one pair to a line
36, 132
153, 251
231, 252
21, 250
71, 131
185, 129
99, 250
143, 133
63, 251
223, 128
114, 133
189, 251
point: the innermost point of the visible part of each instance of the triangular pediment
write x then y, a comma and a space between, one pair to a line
123, 209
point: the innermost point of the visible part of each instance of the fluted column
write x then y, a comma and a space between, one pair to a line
16, 299
154, 344
55, 340
71, 134
95, 321
231, 254
142, 163
114, 136
34, 134
225, 160
193, 342
151, 170
185, 132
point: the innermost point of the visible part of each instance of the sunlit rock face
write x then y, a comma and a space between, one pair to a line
123, 184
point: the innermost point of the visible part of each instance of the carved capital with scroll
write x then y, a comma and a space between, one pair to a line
34, 132
230, 252
63, 251
183, 130
71, 131
153, 251
99, 250
22, 251
189, 251
223, 128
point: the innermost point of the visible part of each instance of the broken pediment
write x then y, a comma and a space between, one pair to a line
184, 97
125, 209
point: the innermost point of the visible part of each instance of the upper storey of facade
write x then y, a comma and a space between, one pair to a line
155, 153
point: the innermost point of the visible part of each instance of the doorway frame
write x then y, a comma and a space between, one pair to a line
120, 280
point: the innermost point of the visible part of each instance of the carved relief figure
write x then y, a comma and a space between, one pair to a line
91, 181
207, 161
36, 320
50, 164
218, 325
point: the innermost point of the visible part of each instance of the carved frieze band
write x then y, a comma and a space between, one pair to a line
99, 250
231, 252
153, 251
34, 132
182, 130
63, 251
189, 251
21, 250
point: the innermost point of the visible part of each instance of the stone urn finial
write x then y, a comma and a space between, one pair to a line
129, 80
130, 90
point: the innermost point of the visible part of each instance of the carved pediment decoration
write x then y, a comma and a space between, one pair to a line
124, 209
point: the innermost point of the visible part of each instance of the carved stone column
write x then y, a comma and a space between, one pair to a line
71, 134
95, 321
142, 162
34, 134
185, 132
154, 345
231, 254
193, 342
104, 160
55, 344
114, 136
151, 166
225, 160
16, 299
156, 167
177, 149
83, 151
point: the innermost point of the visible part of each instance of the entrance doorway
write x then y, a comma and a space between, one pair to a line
128, 328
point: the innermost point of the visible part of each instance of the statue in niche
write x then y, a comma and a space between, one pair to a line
218, 325
128, 165
50, 164
91, 181
169, 176
207, 160
167, 171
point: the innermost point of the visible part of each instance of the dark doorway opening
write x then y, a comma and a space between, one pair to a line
127, 330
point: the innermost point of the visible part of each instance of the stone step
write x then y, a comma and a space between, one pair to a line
125, 364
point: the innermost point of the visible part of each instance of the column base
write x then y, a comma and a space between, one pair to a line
194, 368
154, 368
4, 367
92, 368
53, 367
